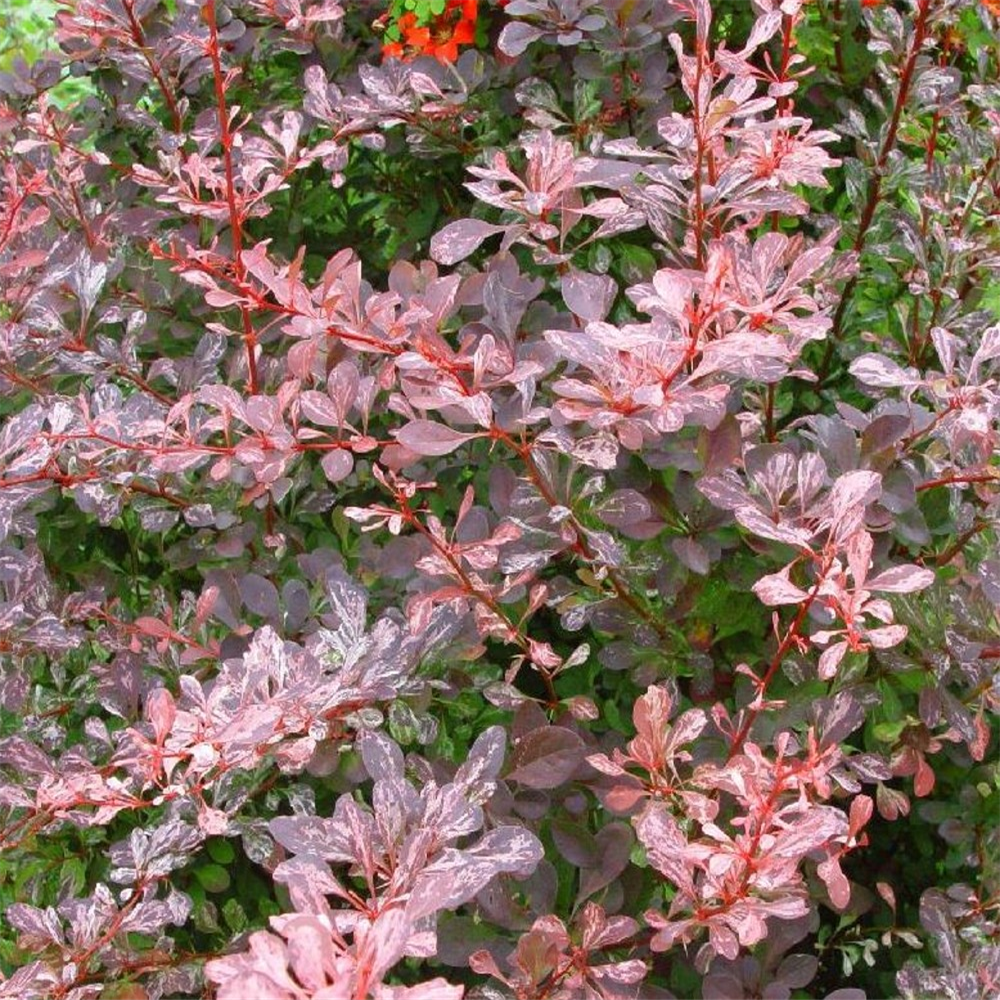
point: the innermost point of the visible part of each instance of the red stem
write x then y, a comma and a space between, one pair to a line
699, 208
139, 37
791, 638
235, 216
958, 478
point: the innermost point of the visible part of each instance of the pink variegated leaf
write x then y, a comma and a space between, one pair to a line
381, 944
598, 451
612, 976
601, 931
310, 952
901, 579
887, 636
859, 556
830, 660
263, 971
309, 881
819, 827
852, 490
382, 758
836, 882
429, 438
651, 713
319, 408
431, 989
759, 523
161, 710
485, 760
666, 846
601, 762
337, 465
589, 296
687, 727
776, 589
38, 929
883, 372
459, 239
455, 876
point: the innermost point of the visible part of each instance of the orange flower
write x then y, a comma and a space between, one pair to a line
993, 6
440, 38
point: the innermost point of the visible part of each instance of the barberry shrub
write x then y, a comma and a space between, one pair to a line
500, 500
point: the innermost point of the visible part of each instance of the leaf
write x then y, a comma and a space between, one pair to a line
546, 757
624, 508
798, 971
39, 928
692, 554
430, 989
213, 878
935, 916
337, 465
666, 846
516, 37
836, 882
319, 408
588, 296
161, 712
759, 523
613, 843
153, 627
599, 451
901, 579
776, 589
883, 372
429, 438
485, 759
259, 595
459, 239
830, 660
817, 828
382, 757
456, 876
316, 835
853, 490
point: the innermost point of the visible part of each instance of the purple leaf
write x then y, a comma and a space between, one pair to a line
546, 757
259, 595
516, 37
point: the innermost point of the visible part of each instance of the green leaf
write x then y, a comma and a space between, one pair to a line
213, 878
888, 732
235, 916
221, 851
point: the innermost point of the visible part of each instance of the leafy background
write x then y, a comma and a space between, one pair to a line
122, 571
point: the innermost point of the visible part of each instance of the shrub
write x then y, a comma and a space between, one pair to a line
500, 499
